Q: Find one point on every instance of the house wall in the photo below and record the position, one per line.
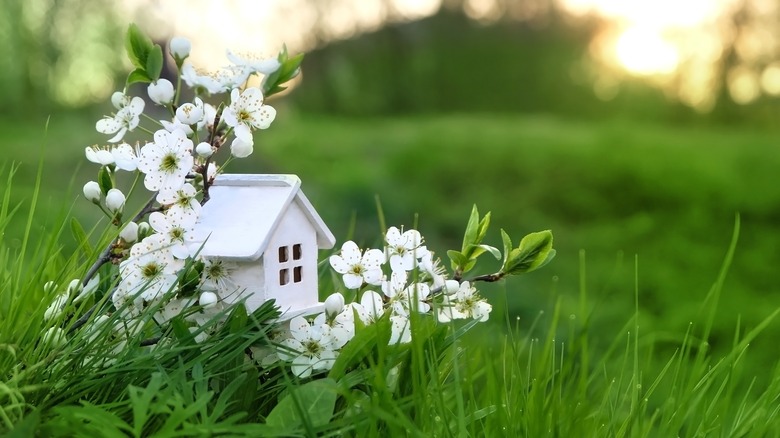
(249, 279)
(291, 277)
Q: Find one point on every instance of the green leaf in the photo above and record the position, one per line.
(104, 180)
(532, 253)
(483, 227)
(491, 249)
(138, 75)
(457, 258)
(472, 229)
(316, 400)
(81, 237)
(289, 68)
(154, 63)
(356, 349)
(237, 319)
(507, 245)
(137, 46)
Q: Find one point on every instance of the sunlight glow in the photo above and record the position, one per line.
(645, 51)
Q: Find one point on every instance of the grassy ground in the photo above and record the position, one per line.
(620, 197)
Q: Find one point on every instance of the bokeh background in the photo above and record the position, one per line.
(635, 130)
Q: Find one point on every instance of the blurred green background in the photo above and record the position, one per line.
(633, 130)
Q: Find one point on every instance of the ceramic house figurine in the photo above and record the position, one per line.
(268, 232)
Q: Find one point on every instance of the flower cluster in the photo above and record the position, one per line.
(157, 248)
(414, 284)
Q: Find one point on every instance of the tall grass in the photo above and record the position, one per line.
(545, 378)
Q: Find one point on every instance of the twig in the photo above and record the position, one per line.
(205, 170)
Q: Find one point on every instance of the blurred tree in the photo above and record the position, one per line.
(57, 52)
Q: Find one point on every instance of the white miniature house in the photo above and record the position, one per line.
(267, 230)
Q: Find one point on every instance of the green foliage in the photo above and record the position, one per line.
(535, 250)
(289, 69)
(146, 56)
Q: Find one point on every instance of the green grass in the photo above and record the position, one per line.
(633, 339)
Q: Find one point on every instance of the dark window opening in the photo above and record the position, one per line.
(284, 277)
(297, 274)
(283, 254)
(297, 251)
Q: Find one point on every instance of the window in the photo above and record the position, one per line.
(286, 264)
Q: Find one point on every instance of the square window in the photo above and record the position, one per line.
(284, 277)
(297, 274)
(283, 256)
(297, 251)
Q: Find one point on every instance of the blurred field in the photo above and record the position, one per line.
(617, 190)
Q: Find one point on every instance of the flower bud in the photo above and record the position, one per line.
(189, 113)
(161, 92)
(208, 299)
(92, 191)
(49, 287)
(56, 306)
(180, 48)
(334, 304)
(74, 286)
(204, 149)
(54, 337)
(115, 200)
(130, 232)
(119, 100)
(240, 148)
(144, 230)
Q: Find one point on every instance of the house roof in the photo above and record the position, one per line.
(244, 210)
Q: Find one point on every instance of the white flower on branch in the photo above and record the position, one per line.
(177, 231)
(125, 119)
(125, 157)
(190, 113)
(254, 63)
(201, 79)
(247, 112)
(176, 124)
(167, 161)
(358, 268)
(98, 155)
(150, 270)
(464, 303)
(403, 250)
(311, 347)
(181, 202)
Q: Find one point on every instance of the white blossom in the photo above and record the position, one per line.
(150, 270)
(199, 78)
(403, 250)
(464, 303)
(218, 276)
(311, 347)
(98, 155)
(178, 231)
(125, 157)
(176, 124)
(190, 113)
(181, 201)
(247, 112)
(240, 148)
(167, 161)
(400, 330)
(254, 63)
(358, 268)
(125, 119)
